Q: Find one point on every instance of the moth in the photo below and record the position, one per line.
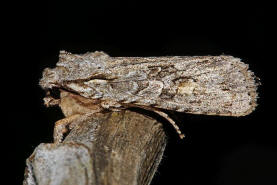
(94, 82)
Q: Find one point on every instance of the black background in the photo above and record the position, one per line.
(216, 150)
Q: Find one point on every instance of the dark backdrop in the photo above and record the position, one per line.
(217, 150)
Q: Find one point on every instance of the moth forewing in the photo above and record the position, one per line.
(211, 85)
(217, 85)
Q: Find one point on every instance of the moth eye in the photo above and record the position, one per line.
(54, 93)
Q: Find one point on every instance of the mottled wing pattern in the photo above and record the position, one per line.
(219, 85)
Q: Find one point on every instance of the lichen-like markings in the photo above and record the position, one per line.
(212, 85)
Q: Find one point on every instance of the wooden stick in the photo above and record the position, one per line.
(113, 148)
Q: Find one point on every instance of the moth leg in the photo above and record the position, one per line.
(63, 126)
(164, 115)
(181, 135)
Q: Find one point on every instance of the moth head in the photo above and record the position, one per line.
(72, 67)
(69, 69)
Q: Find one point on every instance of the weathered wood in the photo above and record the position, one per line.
(113, 148)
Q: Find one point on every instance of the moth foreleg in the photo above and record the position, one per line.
(63, 126)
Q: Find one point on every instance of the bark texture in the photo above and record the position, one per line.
(211, 85)
(113, 148)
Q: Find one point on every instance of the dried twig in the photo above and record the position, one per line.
(112, 148)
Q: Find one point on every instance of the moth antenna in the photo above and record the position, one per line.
(172, 122)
